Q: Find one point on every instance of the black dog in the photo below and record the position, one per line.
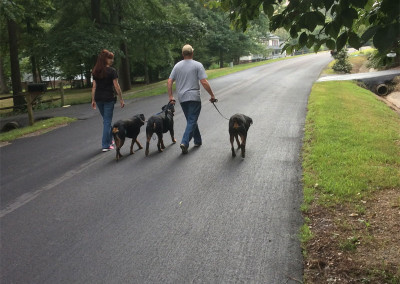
(127, 128)
(159, 124)
(239, 124)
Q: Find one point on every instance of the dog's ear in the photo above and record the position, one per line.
(248, 120)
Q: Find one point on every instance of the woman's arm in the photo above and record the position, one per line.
(119, 92)
(93, 92)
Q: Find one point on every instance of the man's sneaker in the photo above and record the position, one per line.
(197, 144)
(184, 149)
(108, 149)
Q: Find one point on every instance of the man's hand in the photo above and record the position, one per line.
(172, 100)
(213, 100)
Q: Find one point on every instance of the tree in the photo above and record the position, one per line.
(18, 100)
(338, 21)
(342, 63)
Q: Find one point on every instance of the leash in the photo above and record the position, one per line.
(213, 102)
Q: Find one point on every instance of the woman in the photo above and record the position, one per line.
(104, 79)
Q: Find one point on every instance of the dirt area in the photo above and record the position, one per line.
(394, 96)
(355, 243)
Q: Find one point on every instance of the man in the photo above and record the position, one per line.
(187, 74)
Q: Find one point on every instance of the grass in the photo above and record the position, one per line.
(351, 144)
(42, 126)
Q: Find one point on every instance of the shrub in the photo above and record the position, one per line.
(342, 63)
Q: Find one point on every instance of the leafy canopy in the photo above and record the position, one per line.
(335, 23)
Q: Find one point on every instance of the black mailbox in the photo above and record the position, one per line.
(37, 87)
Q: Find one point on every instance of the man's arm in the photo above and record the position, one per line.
(169, 86)
(207, 87)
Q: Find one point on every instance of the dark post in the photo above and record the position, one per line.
(34, 91)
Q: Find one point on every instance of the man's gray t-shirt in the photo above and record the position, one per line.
(187, 74)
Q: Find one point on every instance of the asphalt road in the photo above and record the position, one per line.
(70, 214)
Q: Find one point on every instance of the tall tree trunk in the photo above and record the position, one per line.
(96, 12)
(125, 74)
(221, 58)
(35, 72)
(146, 68)
(15, 71)
(3, 83)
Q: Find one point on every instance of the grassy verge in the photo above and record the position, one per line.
(351, 157)
(42, 126)
(352, 142)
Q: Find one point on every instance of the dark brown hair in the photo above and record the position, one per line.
(99, 70)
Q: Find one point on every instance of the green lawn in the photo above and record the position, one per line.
(351, 144)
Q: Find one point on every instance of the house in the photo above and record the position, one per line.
(273, 48)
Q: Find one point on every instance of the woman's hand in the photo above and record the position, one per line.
(122, 103)
(93, 104)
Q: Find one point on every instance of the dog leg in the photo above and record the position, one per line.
(172, 136)
(118, 155)
(243, 146)
(232, 139)
(118, 145)
(139, 145)
(132, 143)
(160, 143)
(237, 140)
(148, 143)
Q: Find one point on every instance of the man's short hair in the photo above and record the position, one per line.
(187, 50)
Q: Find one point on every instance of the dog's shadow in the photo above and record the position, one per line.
(156, 153)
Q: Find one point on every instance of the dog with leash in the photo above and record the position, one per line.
(239, 124)
(161, 123)
(127, 129)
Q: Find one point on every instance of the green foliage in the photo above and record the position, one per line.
(62, 38)
(342, 63)
(336, 23)
(350, 244)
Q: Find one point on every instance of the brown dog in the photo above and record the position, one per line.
(239, 124)
(127, 128)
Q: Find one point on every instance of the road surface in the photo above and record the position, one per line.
(71, 214)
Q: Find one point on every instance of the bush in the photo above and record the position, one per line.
(342, 63)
